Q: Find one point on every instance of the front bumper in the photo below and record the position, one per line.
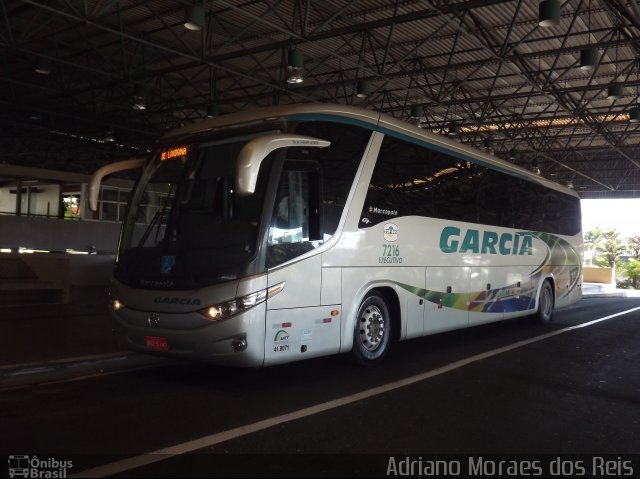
(217, 342)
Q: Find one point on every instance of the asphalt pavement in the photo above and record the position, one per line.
(41, 343)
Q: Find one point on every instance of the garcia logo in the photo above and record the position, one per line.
(489, 242)
(390, 232)
(182, 301)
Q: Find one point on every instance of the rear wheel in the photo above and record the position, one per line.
(372, 334)
(545, 303)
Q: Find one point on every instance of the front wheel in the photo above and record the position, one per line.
(372, 334)
(545, 303)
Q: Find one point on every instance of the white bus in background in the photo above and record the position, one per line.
(291, 232)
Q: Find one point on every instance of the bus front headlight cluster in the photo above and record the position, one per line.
(227, 309)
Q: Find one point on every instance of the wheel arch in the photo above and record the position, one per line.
(544, 309)
(390, 296)
(552, 281)
(388, 292)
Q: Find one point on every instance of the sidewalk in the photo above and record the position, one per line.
(600, 290)
(44, 332)
(56, 342)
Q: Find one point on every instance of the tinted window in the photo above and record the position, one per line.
(338, 165)
(410, 179)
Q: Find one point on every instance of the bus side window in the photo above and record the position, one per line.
(295, 221)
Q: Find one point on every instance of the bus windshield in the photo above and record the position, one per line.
(185, 227)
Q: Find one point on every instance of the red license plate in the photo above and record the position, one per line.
(156, 342)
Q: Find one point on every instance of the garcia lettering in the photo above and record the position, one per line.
(182, 301)
(485, 242)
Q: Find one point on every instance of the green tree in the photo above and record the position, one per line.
(593, 236)
(633, 246)
(608, 245)
(631, 271)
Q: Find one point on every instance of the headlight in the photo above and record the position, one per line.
(116, 305)
(230, 308)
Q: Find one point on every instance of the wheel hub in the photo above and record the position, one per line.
(371, 328)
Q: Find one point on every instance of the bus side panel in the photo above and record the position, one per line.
(566, 291)
(302, 284)
(447, 298)
(297, 327)
(563, 265)
(519, 300)
(331, 292)
(301, 333)
(487, 286)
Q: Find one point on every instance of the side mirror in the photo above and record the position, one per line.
(252, 154)
(96, 178)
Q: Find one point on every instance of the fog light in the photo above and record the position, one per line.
(117, 305)
(239, 343)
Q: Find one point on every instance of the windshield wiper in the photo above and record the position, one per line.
(157, 217)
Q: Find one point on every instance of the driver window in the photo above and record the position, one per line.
(295, 219)
(291, 222)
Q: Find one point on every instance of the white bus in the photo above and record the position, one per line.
(291, 232)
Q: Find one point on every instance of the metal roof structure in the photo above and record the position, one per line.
(484, 66)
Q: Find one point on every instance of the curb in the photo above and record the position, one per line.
(32, 374)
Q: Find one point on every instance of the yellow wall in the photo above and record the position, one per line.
(598, 275)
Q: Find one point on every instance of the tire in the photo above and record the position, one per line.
(372, 333)
(545, 303)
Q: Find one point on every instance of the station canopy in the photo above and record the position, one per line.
(551, 86)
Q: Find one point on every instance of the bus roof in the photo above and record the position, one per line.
(368, 118)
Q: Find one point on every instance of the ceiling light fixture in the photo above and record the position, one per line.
(588, 58)
(417, 111)
(454, 129)
(139, 101)
(615, 91)
(195, 18)
(213, 110)
(549, 13)
(634, 113)
(535, 167)
(364, 89)
(295, 66)
(44, 66)
(109, 136)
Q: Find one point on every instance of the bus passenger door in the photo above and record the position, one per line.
(297, 325)
(446, 298)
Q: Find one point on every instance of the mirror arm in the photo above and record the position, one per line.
(96, 178)
(253, 153)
